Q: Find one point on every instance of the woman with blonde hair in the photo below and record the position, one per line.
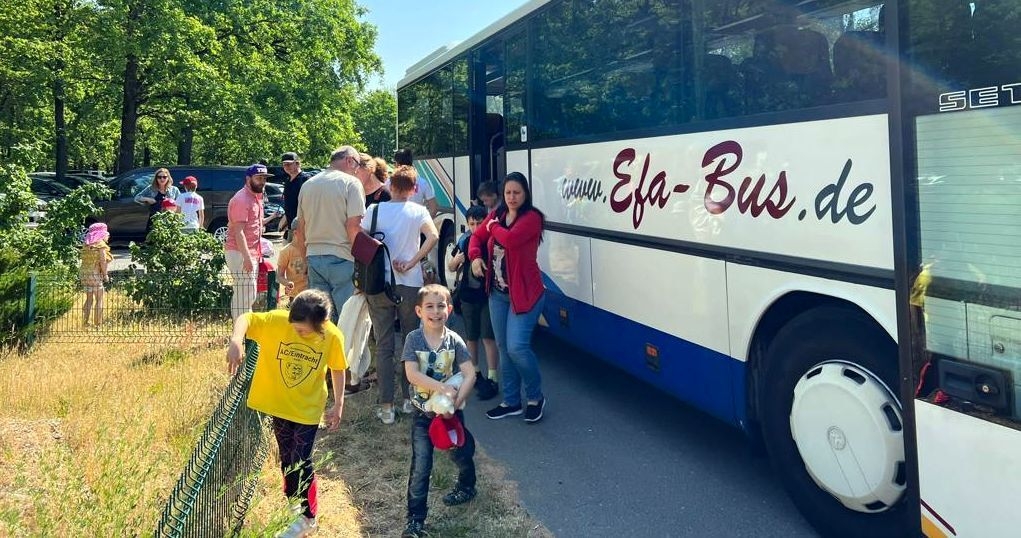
(368, 174)
(161, 188)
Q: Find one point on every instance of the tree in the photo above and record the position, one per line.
(375, 118)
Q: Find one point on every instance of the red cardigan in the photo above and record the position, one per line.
(521, 243)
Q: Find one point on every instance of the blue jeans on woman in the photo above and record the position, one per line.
(518, 363)
(422, 464)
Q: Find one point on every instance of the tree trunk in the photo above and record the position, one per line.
(59, 124)
(129, 116)
(185, 143)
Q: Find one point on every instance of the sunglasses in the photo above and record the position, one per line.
(162, 177)
(429, 371)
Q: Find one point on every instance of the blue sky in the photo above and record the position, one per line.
(409, 29)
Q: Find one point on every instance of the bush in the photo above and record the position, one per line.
(183, 272)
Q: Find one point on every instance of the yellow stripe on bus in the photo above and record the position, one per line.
(931, 529)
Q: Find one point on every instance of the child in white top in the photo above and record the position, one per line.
(193, 207)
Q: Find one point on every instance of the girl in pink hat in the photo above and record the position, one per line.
(95, 257)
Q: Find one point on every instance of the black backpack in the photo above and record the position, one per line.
(467, 287)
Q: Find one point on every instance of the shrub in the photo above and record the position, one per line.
(183, 272)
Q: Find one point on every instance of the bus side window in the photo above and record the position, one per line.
(721, 82)
(997, 57)
(858, 65)
(789, 68)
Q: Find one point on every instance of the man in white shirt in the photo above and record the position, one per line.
(193, 207)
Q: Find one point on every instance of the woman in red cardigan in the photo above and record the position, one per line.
(510, 238)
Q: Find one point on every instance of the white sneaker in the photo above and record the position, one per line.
(406, 407)
(386, 416)
(303, 526)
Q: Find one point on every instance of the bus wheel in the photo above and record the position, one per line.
(832, 423)
(444, 253)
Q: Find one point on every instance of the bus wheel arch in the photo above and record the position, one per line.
(847, 367)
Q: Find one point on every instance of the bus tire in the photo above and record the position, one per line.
(829, 388)
(443, 255)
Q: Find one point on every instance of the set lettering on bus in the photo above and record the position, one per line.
(756, 197)
(980, 97)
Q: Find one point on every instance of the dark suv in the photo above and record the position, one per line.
(217, 184)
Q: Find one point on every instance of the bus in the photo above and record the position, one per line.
(801, 217)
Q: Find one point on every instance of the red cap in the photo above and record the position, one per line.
(190, 181)
(446, 433)
(168, 203)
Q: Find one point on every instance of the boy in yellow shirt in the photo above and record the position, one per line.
(295, 348)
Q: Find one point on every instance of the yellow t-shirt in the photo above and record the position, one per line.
(290, 377)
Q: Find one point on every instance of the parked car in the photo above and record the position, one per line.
(72, 180)
(47, 188)
(126, 219)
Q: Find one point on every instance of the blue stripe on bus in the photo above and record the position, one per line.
(706, 379)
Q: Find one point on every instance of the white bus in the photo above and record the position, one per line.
(799, 216)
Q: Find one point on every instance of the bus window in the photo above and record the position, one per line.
(607, 66)
(754, 57)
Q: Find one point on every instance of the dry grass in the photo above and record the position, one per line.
(94, 436)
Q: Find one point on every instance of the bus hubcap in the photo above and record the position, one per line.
(847, 426)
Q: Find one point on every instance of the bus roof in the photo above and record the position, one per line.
(443, 54)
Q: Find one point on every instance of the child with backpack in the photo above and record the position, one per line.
(472, 303)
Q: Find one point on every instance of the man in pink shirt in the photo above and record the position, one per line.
(244, 229)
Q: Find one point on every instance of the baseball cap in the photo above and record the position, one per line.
(288, 157)
(190, 181)
(257, 170)
(168, 203)
(446, 433)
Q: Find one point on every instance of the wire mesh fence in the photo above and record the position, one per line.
(212, 495)
(137, 306)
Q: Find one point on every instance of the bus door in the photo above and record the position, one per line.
(962, 122)
(487, 146)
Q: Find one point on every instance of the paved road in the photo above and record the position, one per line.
(614, 457)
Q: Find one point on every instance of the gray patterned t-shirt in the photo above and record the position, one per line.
(438, 363)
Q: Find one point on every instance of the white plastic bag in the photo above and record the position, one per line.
(355, 324)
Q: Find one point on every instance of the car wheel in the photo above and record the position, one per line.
(832, 425)
(219, 230)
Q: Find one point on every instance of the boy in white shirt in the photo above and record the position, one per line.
(193, 207)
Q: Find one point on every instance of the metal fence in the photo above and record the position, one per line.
(138, 307)
(212, 495)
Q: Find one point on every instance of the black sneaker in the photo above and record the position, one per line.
(414, 529)
(459, 496)
(486, 389)
(501, 411)
(533, 413)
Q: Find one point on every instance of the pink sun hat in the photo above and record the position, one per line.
(97, 232)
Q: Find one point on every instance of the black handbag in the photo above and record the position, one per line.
(371, 258)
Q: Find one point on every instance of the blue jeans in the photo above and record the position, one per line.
(518, 363)
(422, 464)
(334, 275)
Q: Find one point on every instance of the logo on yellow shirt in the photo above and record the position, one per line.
(297, 362)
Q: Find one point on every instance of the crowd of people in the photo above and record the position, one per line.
(499, 293)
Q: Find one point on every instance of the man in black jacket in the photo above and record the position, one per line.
(295, 179)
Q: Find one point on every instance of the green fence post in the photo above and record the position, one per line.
(272, 290)
(29, 321)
